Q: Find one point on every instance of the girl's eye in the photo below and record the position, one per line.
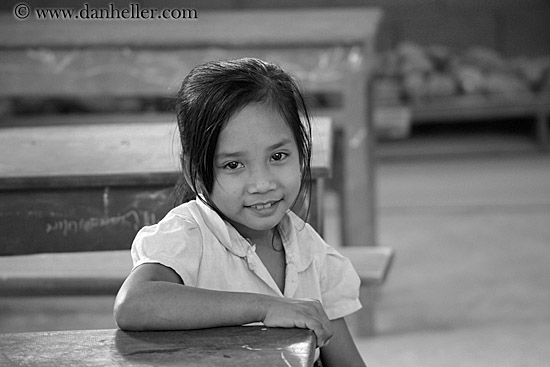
(233, 165)
(279, 156)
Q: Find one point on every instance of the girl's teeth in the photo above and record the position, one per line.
(265, 206)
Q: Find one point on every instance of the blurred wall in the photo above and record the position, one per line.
(511, 27)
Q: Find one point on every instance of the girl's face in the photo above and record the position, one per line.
(256, 170)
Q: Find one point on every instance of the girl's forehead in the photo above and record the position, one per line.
(254, 124)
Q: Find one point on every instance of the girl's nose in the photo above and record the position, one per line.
(261, 181)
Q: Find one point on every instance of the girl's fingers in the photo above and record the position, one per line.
(322, 334)
(307, 314)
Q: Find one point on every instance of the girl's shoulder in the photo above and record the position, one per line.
(193, 218)
(309, 242)
(183, 214)
(176, 222)
(186, 211)
(304, 236)
(302, 230)
(176, 241)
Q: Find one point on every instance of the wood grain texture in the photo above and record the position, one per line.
(228, 346)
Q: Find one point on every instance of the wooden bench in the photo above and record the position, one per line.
(101, 273)
(476, 108)
(373, 264)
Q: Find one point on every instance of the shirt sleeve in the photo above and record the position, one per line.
(175, 242)
(339, 285)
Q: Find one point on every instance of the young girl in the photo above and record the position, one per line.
(236, 253)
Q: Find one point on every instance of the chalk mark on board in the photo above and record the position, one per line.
(134, 219)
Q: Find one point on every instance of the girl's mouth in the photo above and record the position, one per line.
(263, 206)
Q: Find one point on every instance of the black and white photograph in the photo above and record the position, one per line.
(316, 183)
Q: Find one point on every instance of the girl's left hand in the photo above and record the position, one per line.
(300, 313)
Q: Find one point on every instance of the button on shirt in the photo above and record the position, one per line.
(207, 252)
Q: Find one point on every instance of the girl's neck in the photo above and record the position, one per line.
(261, 238)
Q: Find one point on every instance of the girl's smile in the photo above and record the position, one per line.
(265, 209)
(256, 170)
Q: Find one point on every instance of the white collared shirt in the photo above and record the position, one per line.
(207, 252)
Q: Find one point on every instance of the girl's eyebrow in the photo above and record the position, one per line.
(280, 144)
(224, 155)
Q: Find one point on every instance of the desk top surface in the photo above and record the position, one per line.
(211, 28)
(227, 346)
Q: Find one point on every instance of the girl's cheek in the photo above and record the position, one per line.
(231, 185)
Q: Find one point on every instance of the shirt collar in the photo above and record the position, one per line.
(225, 233)
(298, 253)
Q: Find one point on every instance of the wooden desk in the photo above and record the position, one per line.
(91, 187)
(228, 346)
(329, 50)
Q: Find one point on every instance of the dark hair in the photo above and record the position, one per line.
(214, 92)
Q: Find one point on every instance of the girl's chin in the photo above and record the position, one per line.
(257, 225)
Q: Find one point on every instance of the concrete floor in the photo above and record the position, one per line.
(471, 282)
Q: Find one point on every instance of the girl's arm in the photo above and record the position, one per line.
(153, 297)
(341, 351)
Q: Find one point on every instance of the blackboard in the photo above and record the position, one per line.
(68, 219)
